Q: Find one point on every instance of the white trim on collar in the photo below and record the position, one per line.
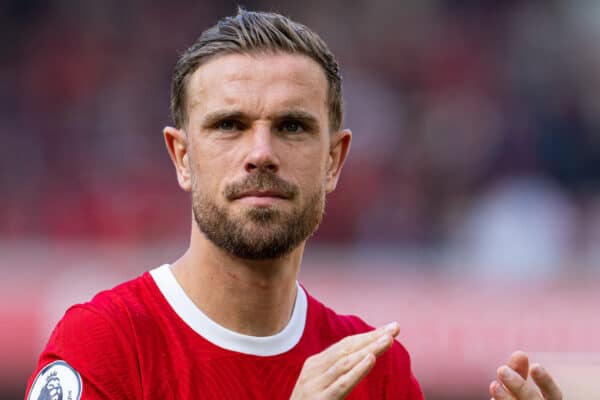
(223, 337)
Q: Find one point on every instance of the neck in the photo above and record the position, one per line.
(251, 297)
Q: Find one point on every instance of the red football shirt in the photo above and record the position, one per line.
(145, 339)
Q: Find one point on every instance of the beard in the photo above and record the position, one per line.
(259, 233)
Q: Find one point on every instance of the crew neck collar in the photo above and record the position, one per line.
(225, 338)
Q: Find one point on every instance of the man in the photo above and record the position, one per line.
(258, 142)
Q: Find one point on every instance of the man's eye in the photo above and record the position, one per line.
(291, 126)
(228, 125)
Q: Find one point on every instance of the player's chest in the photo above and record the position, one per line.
(220, 378)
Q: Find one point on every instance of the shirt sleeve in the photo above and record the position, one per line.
(414, 389)
(403, 383)
(88, 356)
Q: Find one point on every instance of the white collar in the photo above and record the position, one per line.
(223, 337)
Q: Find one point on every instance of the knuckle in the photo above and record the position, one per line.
(339, 367)
(343, 387)
(331, 372)
(527, 388)
(519, 387)
(346, 362)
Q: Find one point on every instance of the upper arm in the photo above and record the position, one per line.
(87, 345)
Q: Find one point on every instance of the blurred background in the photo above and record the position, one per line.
(469, 209)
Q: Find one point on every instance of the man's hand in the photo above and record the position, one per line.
(512, 381)
(334, 372)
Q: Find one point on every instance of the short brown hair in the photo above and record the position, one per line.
(249, 32)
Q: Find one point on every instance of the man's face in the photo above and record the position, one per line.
(260, 155)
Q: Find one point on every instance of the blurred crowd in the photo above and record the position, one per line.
(476, 123)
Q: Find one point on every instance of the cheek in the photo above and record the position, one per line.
(313, 177)
(208, 181)
(210, 166)
(311, 157)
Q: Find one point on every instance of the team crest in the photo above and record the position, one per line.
(56, 381)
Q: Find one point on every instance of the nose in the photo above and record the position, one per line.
(261, 155)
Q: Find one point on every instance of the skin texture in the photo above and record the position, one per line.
(256, 152)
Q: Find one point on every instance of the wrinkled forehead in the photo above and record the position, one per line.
(259, 79)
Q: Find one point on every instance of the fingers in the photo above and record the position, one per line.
(498, 392)
(516, 385)
(344, 384)
(354, 343)
(334, 372)
(519, 362)
(542, 378)
(345, 359)
(347, 371)
(512, 384)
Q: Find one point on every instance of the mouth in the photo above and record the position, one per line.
(260, 198)
(262, 194)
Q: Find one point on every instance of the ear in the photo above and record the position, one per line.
(338, 150)
(177, 146)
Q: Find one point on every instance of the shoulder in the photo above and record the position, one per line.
(126, 306)
(108, 322)
(339, 325)
(96, 341)
(129, 296)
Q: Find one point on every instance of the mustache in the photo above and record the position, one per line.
(261, 181)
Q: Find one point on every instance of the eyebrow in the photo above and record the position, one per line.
(216, 116)
(298, 115)
(221, 115)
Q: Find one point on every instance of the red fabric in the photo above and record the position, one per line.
(128, 343)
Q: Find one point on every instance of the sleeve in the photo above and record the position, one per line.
(414, 389)
(402, 383)
(88, 356)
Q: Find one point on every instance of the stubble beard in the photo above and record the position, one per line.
(260, 233)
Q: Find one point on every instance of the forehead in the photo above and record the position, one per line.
(262, 81)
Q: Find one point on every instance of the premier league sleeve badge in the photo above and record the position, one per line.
(56, 381)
